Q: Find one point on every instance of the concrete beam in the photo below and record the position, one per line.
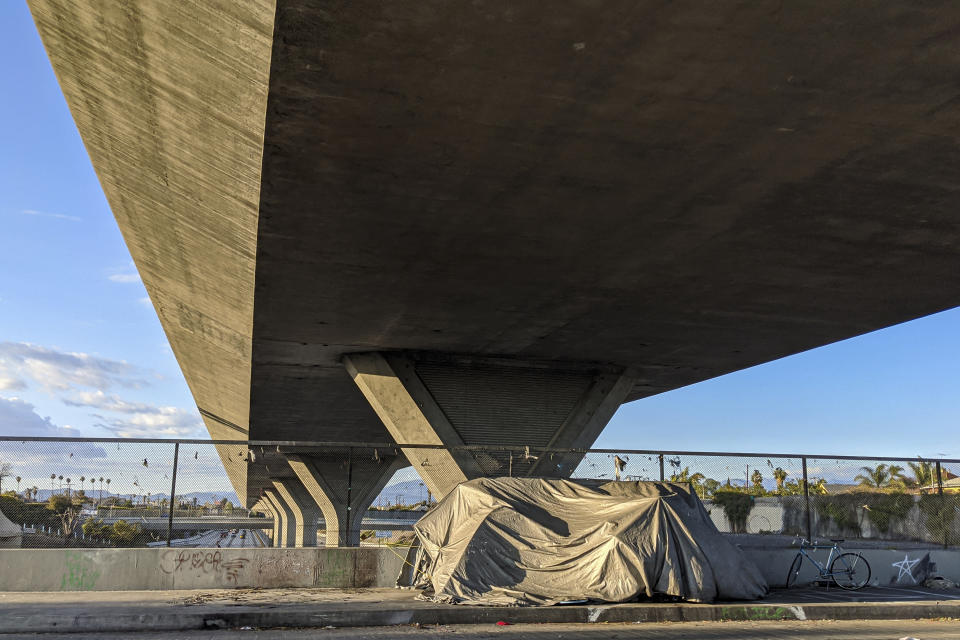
(263, 506)
(344, 486)
(282, 519)
(585, 423)
(305, 511)
(455, 401)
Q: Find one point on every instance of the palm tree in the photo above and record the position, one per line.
(756, 479)
(896, 476)
(18, 483)
(923, 473)
(882, 475)
(53, 479)
(60, 478)
(780, 476)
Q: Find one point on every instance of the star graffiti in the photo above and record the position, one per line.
(906, 568)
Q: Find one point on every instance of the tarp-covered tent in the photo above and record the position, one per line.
(10, 534)
(534, 541)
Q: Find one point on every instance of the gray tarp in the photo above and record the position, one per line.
(526, 541)
(10, 534)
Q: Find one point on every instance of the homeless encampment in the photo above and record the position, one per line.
(536, 541)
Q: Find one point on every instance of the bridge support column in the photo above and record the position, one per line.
(263, 507)
(305, 512)
(455, 401)
(259, 507)
(344, 485)
(283, 524)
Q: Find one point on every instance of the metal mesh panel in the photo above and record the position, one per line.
(118, 493)
(880, 500)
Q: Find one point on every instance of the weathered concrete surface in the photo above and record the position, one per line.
(206, 609)
(887, 565)
(680, 189)
(170, 101)
(148, 569)
(724, 630)
(145, 569)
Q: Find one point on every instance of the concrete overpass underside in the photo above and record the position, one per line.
(495, 222)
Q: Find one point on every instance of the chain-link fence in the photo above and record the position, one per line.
(117, 492)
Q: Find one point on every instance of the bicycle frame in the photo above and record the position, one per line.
(847, 570)
(822, 569)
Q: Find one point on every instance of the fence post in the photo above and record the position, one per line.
(662, 477)
(943, 507)
(349, 488)
(173, 491)
(806, 498)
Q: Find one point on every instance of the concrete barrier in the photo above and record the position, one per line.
(149, 569)
(908, 566)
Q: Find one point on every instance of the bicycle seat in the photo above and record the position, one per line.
(837, 540)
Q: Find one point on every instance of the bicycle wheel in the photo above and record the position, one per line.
(794, 571)
(850, 571)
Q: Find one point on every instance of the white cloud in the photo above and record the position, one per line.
(44, 214)
(145, 301)
(155, 422)
(59, 370)
(140, 420)
(20, 418)
(99, 400)
(124, 277)
(9, 382)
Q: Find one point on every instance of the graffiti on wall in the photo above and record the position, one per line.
(79, 574)
(203, 562)
(912, 571)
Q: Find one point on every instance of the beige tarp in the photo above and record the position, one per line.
(10, 533)
(533, 541)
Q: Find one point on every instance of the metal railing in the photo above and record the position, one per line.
(81, 487)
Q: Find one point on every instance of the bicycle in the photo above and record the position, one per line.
(847, 570)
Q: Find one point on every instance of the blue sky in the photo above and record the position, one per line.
(82, 351)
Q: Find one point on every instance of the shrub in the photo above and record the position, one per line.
(841, 509)
(939, 512)
(883, 508)
(736, 506)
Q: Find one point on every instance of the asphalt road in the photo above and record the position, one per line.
(216, 538)
(821, 630)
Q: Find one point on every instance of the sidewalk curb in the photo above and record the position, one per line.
(182, 618)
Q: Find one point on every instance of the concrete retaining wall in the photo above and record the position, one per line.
(148, 569)
(890, 567)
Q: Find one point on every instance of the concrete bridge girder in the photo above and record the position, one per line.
(305, 511)
(497, 210)
(343, 488)
(426, 399)
(262, 506)
(284, 528)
